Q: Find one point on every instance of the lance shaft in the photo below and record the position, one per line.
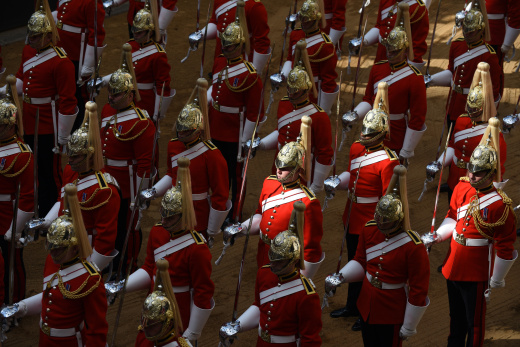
(337, 127)
(120, 307)
(12, 248)
(284, 40)
(433, 37)
(35, 170)
(204, 39)
(361, 18)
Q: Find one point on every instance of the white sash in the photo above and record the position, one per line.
(281, 290)
(296, 115)
(387, 246)
(121, 117)
(399, 75)
(9, 150)
(226, 7)
(232, 72)
(311, 41)
(370, 159)
(39, 58)
(484, 201)
(173, 246)
(142, 53)
(83, 183)
(386, 11)
(67, 274)
(471, 132)
(472, 53)
(191, 153)
(281, 199)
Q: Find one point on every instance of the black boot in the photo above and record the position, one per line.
(344, 312)
(357, 325)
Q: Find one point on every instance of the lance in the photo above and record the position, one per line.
(428, 77)
(204, 42)
(35, 171)
(358, 41)
(121, 299)
(196, 34)
(246, 164)
(12, 247)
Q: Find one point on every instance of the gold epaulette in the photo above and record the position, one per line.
(285, 98)
(464, 115)
(326, 38)
(174, 139)
(159, 224)
(61, 53)
(160, 48)
(266, 266)
(391, 154)
(371, 223)
(308, 192)
(420, 2)
(459, 39)
(91, 268)
(414, 236)
(464, 179)
(23, 147)
(357, 141)
(318, 107)
(490, 48)
(414, 69)
(210, 145)
(506, 199)
(309, 287)
(199, 239)
(102, 184)
(381, 62)
(76, 294)
(142, 114)
(250, 67)
(272, 177)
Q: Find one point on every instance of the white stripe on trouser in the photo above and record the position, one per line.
(54, 123)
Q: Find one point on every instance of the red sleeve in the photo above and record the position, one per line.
(200, 272)
(252, 99)
(338, 14)
(259, 207)
(292, 42)
(513, 14)
(143, 147)
(66, 86)
(496, 72)
(106, 220)
(218, 180)
(26, 180)
(322, 136)
(452, 212)
(505, 235)
(452, 57)
(379, 22)
(420, 28)
(328, 72)
(386, 175)
(309, 321)
(213, 18)
(418, 275)
(258, 27)
(417, 102)
(169, 4)
(100, 23)
(95, 308)
(161, 72)
(313, 232)
(149, 261)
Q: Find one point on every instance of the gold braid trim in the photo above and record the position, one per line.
(237, 88)
(74, 294)
(418, 19)
(475, 213)
(118, 135)
(3, 172)
(182, 342)
(322, 59)
(81, 204)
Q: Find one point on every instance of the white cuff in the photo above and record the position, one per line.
(31, 305)
(372, 37)
(144, 185)
(255, 225)
(269, 142)
(217, 218)
(250, 318)
(335, 35)
(412, 317)
(208, 95)
(163, 185)
(510, 36)
(418, 66)
(312, 268)
(450, 152)
(287, 67)
(320, 173)
(101, 260)
(52, 215)
(212, 31)
(501, 268)
(352, 272)
(259, 60)
(165, 17)
(441, 79)
(65, 123)
(445, 230)
(21, 218)
(249, 127)
(344, 179)
(89, 61)
(138, 280)
(362, 109)
(411, 139)
(198, 319)
(328, 99)
(166, 101)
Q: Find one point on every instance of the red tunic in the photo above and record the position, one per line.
(467, 136)
(276, 214)
(465, 263)
(419, 23)
(53, 78)
(99, 205)
(296, 314)
(240, 91)
(59, 312)
(134, 146)
(16, 167)
(335, 9)
(289, 122)
(509, 10)
(407, 264)
(136, 5)
(208, 171)
(463, 73)
(152, 70)
(377, 168)
(407, 96)
(190, 267)
(322, 56)
(78, 15)
(224, 13)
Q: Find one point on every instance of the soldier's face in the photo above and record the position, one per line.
(286, 175)
(64, 254)
(477, 177)
(78, 163)
(472, 36)
(187, 136)
(474, 112)
(6, 131)
(142, 36)
(39, 41)
(172, 223)
(296, 96)
(231, 51)
(282, 267)
(395, 55)
(120, 100)
(309, 25)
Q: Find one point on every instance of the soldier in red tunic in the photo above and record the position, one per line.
(275, 205)
(286, 306)
(161, 318)
(321, 53)
(291, 109)
(98, 192)
(481, 226)
(190, 259)
(469, 129)
(334, 11)
(16, 168)
(234, 101)
(370, 168)
(73, 304)
(394, 267)
(465, 54)
(127, 135)
(407, 97)
(209, 169)
(46, 80)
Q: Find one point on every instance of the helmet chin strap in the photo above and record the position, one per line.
(175, 227)
(291, 174)
(482, 182)
(373, 140)
(119, 104)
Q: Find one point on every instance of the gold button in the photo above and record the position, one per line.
(274, 211)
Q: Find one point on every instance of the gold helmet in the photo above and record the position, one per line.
(160, 307)
(297, 154)
(476, 19)
(178, 200)
(68, 230)
(194, 116)
(392, 213)
(123, 80)
(147, 19)
(86, 140)
(301, 77)
(288, 245)
(376, 121)
(480, 99)
(312, 10)
(42, 22)
(10, 110)
(486, 156)
(400, 37)
(236, 33)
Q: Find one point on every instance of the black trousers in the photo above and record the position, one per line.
(467, 313)
(354, 288)
(230, 152)
(49, 172)
(380, 335)
(19, 272)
